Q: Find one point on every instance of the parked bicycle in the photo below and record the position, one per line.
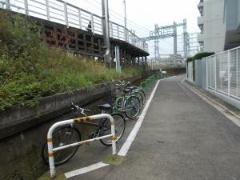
(70, 134)
(130, 101)
(135, 90)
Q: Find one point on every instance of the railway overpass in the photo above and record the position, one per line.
(79, 31)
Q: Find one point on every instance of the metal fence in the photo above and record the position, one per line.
(224, 72)
(219, 73)
(72, 16)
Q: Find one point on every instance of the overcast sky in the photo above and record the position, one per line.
(143, 14)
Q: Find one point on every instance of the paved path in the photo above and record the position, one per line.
(182, 138)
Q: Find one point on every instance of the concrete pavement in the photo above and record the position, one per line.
(182, 138)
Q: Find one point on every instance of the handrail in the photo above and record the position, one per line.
(44, 9)
(52, 150)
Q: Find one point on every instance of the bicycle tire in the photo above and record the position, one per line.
(140, 96)
(132, 103)
(118, 104)
(60, 157)
(143, 94)
(120, 123)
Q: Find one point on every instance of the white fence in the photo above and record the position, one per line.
(219, 73)
(223, 73)
(72, 16)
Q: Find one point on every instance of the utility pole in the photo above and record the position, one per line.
(175, 39)
(105, 22)
(185, 37)
(125, 18)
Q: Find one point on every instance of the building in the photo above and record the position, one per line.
(212, 26)
(232, 21)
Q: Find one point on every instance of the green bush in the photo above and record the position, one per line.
(29, 69)
(202, 55)
(199, 56)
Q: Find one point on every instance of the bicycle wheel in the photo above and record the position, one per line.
(120, 124)
(118, 104)
(140, 97)
(61, 137)
(132, 107)
(141, 90)
(143, 94)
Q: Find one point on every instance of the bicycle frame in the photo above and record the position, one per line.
(51, 150)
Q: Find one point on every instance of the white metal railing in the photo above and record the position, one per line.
(64, 13)
(223, 72)
(52, 150)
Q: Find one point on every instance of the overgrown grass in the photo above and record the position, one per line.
(29, 69)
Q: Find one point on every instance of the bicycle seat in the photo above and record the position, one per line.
(127, 90)
(105, 106)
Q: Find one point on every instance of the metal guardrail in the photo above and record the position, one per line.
(223, 72)
(72, 16)
(51, 149)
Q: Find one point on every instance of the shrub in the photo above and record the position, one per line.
(29, 69)
(202, 55)
(199, 56)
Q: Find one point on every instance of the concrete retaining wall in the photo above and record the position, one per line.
(21, 118)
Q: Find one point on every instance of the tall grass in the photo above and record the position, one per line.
(29, 69)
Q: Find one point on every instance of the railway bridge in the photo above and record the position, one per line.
(79, 31)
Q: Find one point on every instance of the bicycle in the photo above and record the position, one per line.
(129, 102)
(135, 90)
(70, 134)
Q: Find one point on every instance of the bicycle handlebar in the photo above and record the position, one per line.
(80, 110)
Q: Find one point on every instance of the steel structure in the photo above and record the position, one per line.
(192, 44)
(169, 31)
(62, 12)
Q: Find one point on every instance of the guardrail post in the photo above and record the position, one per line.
(26, 7)
(229, 69)
(47, 10)
(80, 19)
(52, 150)
(66, 14)
(51, 155)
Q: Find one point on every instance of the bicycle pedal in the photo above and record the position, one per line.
(91, 136)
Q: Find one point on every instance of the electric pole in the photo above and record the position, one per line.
(105, 22)
(175, 46)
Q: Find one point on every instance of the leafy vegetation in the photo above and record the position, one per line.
(199, 56)
(29, 69)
